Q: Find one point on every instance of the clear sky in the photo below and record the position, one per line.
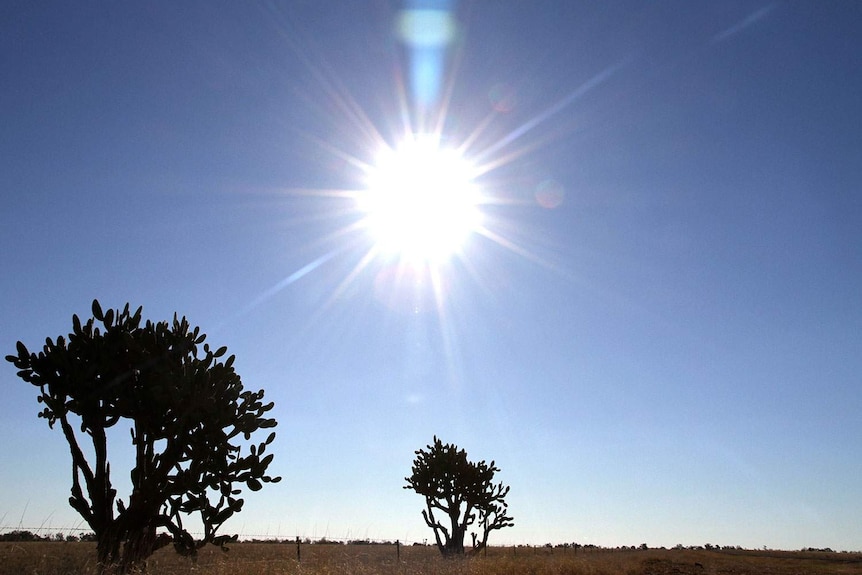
(656, 333)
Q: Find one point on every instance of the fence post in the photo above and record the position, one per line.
(398, 549)
(298, 557)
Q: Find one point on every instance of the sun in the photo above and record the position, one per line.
(421, 202)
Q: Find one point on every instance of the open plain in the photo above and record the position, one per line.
(74, 558)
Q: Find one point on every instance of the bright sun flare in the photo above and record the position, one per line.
(421, 202)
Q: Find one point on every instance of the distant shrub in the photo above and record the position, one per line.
(21, 535)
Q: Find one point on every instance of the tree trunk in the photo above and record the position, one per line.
(455, 544)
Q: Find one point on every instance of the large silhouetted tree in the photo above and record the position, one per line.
(462, 491)
(186, 409)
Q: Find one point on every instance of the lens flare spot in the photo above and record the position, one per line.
(550, 194)
(503, 97)
(426, 27)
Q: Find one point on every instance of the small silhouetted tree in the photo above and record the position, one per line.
(462, 492)
(186, 409)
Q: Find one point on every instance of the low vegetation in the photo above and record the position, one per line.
(74, 558)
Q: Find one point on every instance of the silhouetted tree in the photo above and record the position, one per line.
(186, 408)
(461, 490)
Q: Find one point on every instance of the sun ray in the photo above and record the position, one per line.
(403, 106)
(350, 159)
(476, 132)
(272, 291)
(448, 91)
(360, 266)
(554, 109)
(340, 193)
(332, 87)
(513, 247)
(448, 333)
(354, 113)
(498, 162)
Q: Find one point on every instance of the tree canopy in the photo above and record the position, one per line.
(187, 412)
(463, 491)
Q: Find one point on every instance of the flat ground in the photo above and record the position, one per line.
(50, 558)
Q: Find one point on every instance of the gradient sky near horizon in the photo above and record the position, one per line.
(660, 342)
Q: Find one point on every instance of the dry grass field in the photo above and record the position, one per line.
(68, 558)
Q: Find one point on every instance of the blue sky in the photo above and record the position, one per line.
(669, 353)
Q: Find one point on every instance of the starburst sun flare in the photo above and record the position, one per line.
(421, 202)
(428, 201)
